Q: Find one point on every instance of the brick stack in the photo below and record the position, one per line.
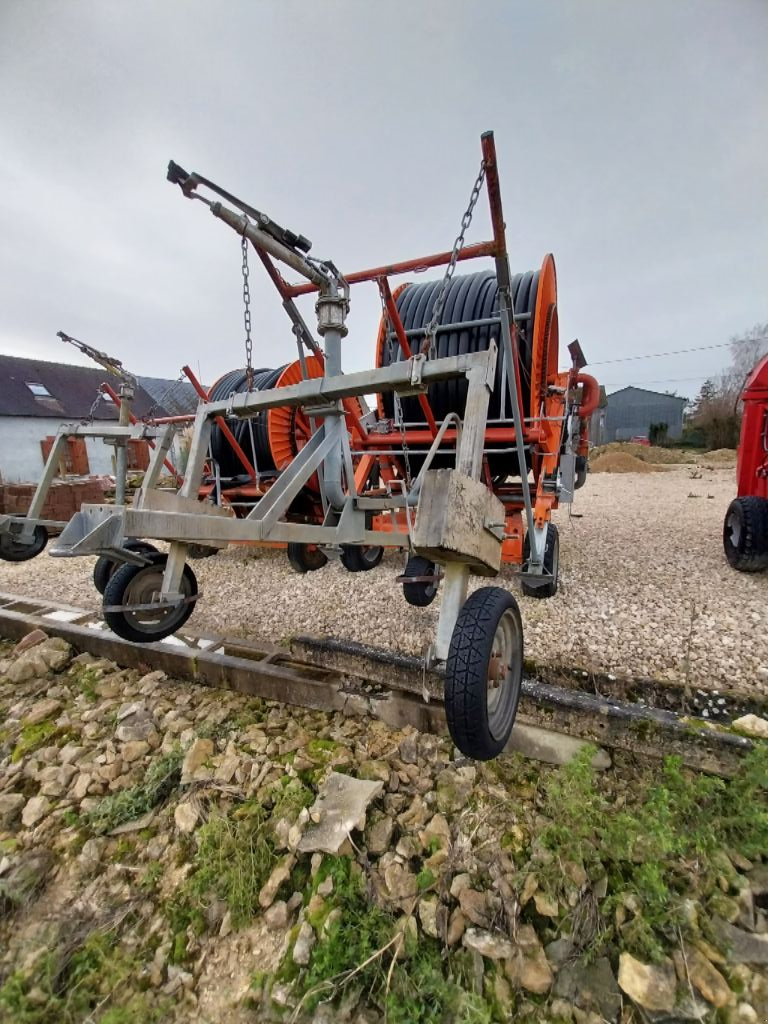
(64, 497)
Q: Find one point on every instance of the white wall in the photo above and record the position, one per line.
(21, 457)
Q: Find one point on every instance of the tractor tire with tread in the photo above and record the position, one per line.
(480, 726)
(745, 534)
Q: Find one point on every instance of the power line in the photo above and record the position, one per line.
(663, 380)
(674, 352)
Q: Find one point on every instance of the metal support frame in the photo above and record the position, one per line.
(24, 526)
(327, 402)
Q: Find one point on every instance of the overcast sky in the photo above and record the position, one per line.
(632, 143)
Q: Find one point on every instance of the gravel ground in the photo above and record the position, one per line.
(645, 590)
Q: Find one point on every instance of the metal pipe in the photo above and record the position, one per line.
(133, 421)
(127, 391)
(469, 252)
(506, 311)
(243, 226)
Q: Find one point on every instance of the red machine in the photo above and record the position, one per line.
(745, 531)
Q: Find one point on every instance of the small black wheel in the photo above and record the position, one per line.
(201, 551)
(551, 565)
(306, 557)
(106, 567)
(582, 468)
(484, 673)
(420, 592)
(12, 549)
(140, 585)
(360, 559)
(745, 534)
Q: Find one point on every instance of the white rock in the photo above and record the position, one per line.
(753, 725)
(186, 817)
(34, 811)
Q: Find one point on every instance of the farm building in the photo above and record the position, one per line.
(631, 411)
(37, 398)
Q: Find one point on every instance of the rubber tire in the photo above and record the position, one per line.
(466, 673)
(306, 557)
(551, 558)
(12, 551)
(582, 469)
(356, 558)
(115, 591)
(750, 554)
(199, 551)
(106, 567)
(419, 594)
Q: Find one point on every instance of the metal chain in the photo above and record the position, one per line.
(247, 316)
(160, 402)
(398, 410)
(94, 407)
(428, 344)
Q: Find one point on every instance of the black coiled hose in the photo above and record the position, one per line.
(251, 435)
(469, 297)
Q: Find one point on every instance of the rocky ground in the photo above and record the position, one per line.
(645, 589)
(171, 853)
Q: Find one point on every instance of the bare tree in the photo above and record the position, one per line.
(747, 350)
(716, 411)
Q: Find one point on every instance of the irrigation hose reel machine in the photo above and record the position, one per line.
(447, 512)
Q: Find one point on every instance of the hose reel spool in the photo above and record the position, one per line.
(474, 297)
(274, 437)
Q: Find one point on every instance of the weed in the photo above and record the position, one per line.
(425, 879)
(359, 947)
(32, 737)
(233, 861)
(152, 876)
(161, 778)
(85, 679)
(96, 975)
(234, 857)
(666, 846)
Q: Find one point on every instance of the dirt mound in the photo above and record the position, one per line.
(647, 453)
(619, 462)
(721, 455)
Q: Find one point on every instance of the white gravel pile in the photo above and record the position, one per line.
(645, 590)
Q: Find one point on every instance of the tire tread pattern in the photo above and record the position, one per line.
(467, 672)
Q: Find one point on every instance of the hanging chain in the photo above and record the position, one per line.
(247, 317)
(398, 410)
(428, 344)
(96, 403)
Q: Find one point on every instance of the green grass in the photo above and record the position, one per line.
(85, 678)
(661, 849)
(357, 951)
(234, 857)
(161, 778)
(97, 980)
(32, 737)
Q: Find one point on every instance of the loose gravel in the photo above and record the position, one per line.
(645, 590)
